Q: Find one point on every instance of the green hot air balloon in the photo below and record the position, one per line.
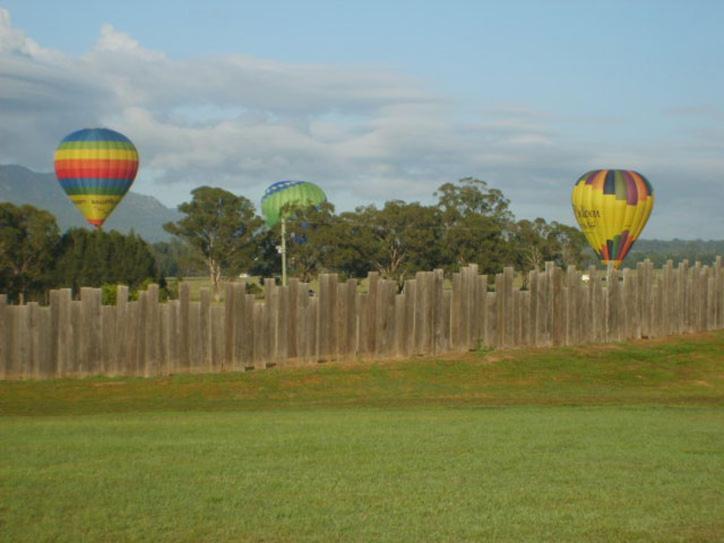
(296, 193)
(292, 193)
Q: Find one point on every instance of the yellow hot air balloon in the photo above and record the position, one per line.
(612, 207)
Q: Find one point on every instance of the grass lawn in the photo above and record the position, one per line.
(615, 443)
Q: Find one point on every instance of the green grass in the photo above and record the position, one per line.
(616, 443)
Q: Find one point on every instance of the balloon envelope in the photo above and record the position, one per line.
(612, 207)
(96, 167)
(296, 193)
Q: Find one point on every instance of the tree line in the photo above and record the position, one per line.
(659, 251)
(35, 257)
(221, 235)
(470, 222)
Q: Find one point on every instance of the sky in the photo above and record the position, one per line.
(381, 100)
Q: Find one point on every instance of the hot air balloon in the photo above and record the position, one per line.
(96, 167)
(293, 193)
(288, 193)
(612, 207)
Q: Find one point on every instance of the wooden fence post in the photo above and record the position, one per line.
(153, 332)
(3, 338)
(558, 323)
(21, 340)
(385, 334)
(424, 316)
(342, 321)
(327, 315)
(259, 344)
(571, 308)
(719, 270)
(219, 333)
(30, 369)
(120, 355)
(184, 298)
(683, 272)
(229, 327)
(371, 326)
(363, 323)
(541, 314)
(457, 311)
(518, 306)
(167, 338)
(711, 304)
(313, 327)
(499, 310)
(239, 323)
(694, 300)
(46, 368)
(75, 364)
(271, 323)
(249, 332)
(141, 333)
(508, 306)
(352, 317)
(441, 324)
(656, 306)
(173, 326)
(422, 325)
(470, 299)
(195, 343)
(704, 298)
(410, 301)
(282, 323)
(205, 328)
(400, 325)
(90, 329)
(292, 339)
(108, 337)
(532, 332)
(667, 298)
(585, 313)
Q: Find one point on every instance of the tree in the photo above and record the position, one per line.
(177, 259)
(311, 239)
(222, 226)
(536, 242)
(396, 240)
(476, 223)
(266, 261)
(93, 258)
(472, 196)
(572, 244)
(28, 242)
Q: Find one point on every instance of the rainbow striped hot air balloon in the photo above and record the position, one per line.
(612, 207)
(96, 167)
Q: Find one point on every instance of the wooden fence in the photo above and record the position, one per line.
(291, 327)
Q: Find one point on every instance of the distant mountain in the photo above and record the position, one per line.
(144, 214)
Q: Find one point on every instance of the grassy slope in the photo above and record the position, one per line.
(677, 371)
(620, 443)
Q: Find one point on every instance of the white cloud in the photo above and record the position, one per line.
(116, 42)
(365, 133)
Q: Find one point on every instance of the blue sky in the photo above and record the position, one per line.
(380, 100)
